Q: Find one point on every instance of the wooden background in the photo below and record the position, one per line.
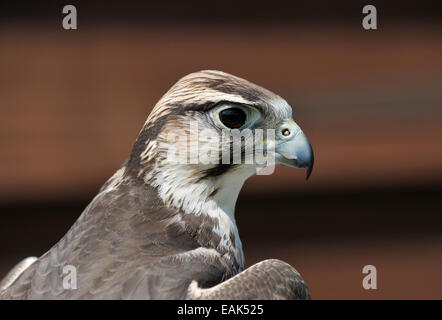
(72, 103)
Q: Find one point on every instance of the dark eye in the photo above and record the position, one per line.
(233, 118)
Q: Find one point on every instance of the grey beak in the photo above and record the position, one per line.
(296, 151)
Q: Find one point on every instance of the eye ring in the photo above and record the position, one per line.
(233, 117)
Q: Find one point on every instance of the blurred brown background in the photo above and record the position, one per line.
(72, 103)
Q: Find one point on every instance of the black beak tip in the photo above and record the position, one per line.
(310, 165)
(309, 172)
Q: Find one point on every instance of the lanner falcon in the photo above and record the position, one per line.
(163, 229)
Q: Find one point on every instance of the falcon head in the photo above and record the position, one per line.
(199, 122)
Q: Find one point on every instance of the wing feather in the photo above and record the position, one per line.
(269, 279)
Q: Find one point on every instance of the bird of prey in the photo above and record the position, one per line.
(162, 229)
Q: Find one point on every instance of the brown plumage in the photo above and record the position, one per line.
(158, 230)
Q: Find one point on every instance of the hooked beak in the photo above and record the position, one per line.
(293, 148)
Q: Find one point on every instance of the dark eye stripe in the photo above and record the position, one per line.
(233, 118)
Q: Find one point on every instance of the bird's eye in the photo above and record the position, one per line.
(233, 118)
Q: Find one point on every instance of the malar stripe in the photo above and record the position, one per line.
(217, 171)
